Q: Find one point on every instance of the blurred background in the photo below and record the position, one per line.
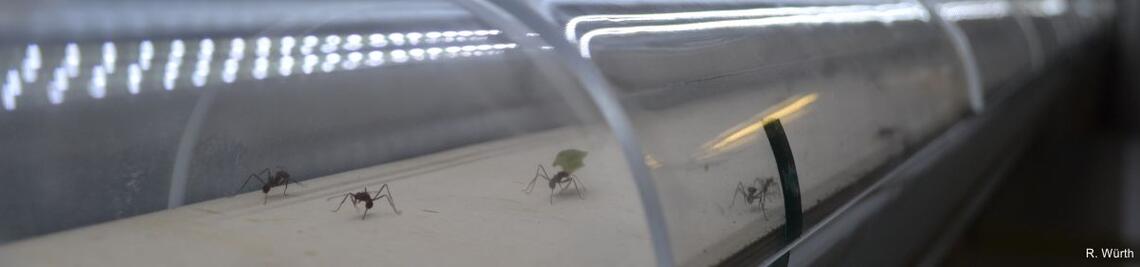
(725, 132)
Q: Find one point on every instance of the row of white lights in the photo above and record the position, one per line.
(354, 45)
(886, 14)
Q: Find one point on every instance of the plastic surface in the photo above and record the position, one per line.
(999, 42)
(450, 116)
(855, 85)
(120, 109)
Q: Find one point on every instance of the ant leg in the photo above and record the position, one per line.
(763, 209)
(290, 181)
(346, 196)
(391, 200)
(265, 199)
(365, 214)
(575, 178)
(540, 172)
(268, 179)
(577, 189)
(285, 192)
(251, 176)
(552, 195)
(739, 191)
(565, 184)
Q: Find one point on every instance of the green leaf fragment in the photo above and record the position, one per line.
(570, 160)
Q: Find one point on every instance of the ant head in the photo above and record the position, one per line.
(265, 189)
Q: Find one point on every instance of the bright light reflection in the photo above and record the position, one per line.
(330, 62)
(32, 63)
(353, 61)
(572, 26)
(109, 55)
(332, 42)
(170, 76)
(286, 66)
(855, 14)
(206, 48)
(260, 68)
(71, 60)
(177, 49)
(201, 72)
(433, 37)
(237, 48)
(230, 70)
(746, 132)
(414, 37)
(417, 54)
(287, 44)
(310, 63)
(134, 78)
(375, 58)
(973, 10)
(11, 89)
(397, 39)
(353, 42)
(57, 86)
(434, 52)
(14, 82)
(146, 54)
(264, 45)
(98, 86)
(8, 98)
(377, 40)
(399, 56)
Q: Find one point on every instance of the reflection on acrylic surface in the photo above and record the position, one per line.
(331, 53)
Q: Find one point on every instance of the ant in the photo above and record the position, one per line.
(562, 177)
(279, 178)
(367, 198)
(758, 191)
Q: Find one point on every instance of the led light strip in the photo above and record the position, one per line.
(328, 54)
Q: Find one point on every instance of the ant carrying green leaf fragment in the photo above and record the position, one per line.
(569, 160)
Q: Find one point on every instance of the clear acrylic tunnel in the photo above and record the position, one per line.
(512, 132)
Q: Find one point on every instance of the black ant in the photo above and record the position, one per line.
(367, 198)
(562, 177)
(758, 191)
(279, 178)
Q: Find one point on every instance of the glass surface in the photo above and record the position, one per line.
(855, 85)
(112, 111)
(447, 114)
(997, 40)
(1042, 15)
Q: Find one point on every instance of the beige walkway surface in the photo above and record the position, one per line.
(460, 208)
